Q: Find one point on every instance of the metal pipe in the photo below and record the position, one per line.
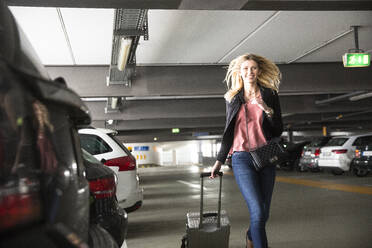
(320, 46)
(360, 97)
(66, 35)
(250, 35)
(355, 28)
(338, 98)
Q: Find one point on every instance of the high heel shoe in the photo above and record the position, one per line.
(248, 242)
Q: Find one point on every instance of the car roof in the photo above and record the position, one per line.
(102, 130)
(351, 136)
(108, 131)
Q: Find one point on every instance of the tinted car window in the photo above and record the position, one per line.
(94, 144)
(363, 141)
(367, 141)
(336, 142)
(319, 142)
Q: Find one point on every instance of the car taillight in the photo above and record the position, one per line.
(103, 187)
(19, 204)
(357, 153)
(317, 152)
(340, 151)
(124, 163)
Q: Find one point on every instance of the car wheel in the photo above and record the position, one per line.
(299, 168)
(337, 172)
(316, 169)
(99, 238)
(360, 172)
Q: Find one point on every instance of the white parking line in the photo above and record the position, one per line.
(192, 185)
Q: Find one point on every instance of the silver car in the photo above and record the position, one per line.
(310, 154)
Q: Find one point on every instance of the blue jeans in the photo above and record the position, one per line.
(257, 189)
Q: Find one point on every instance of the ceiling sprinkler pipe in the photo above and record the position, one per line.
(356, 37)
(356, 40)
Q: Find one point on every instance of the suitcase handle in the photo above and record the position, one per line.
(207, 174)
(210, 215)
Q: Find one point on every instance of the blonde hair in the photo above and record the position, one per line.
(268, 77)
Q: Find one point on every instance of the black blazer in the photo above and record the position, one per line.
(272, 127)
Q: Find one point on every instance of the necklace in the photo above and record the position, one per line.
(251, 93)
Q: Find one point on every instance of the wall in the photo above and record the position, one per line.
(170, 153)
(145, 153)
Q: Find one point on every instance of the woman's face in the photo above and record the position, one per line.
(249, 71)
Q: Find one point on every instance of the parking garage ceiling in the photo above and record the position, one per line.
(180, 68)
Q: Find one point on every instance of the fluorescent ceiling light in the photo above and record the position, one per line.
(94, 99)
(360, 97)
(114, 102)
(124, 49)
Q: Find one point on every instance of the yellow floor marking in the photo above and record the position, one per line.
(327, 185)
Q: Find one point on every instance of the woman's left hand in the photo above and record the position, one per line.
(262, 105)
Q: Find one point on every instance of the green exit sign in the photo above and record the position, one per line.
(175, 130)
(356, 59)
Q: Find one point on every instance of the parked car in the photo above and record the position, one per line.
(292, 155)
(105, 147)
(338, 153)
(44, 195)
(362, 163)
(310, 154)
(104, 207)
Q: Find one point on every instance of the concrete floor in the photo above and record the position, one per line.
(301, 216)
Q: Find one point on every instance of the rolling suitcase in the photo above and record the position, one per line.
(209, 229)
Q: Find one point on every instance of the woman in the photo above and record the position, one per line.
(253, 117)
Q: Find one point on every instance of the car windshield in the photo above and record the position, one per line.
(336, 142)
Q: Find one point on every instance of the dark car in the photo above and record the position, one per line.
(362, 163)
(44, 195)
(310, 155)
(104, 208)
(291, 158)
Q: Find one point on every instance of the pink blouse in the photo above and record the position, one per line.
(249, 118)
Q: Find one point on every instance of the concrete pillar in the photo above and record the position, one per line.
(200, 153)
(325, 131)
(174, 157)
(290, 135)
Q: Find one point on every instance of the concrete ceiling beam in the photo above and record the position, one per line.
(300, 78)
(202, 5)
(202, 108)
(164, 123)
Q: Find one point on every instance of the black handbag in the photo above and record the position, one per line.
(270, 154)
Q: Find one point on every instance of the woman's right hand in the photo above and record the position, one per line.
(216, 168)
